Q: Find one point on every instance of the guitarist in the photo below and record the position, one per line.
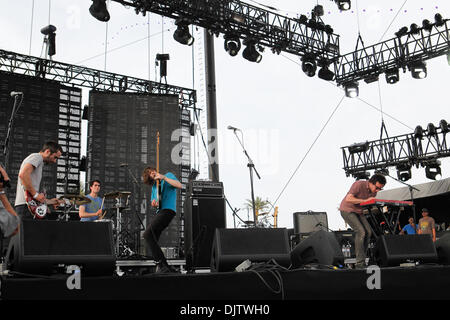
(166, 204)
(30, 175)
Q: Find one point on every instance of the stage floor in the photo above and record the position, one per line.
(312, 283)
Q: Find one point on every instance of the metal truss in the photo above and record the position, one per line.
(295, 36)
(369, 62)
(87, 77)
(409, 149)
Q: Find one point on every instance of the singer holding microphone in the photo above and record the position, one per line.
(166, 204)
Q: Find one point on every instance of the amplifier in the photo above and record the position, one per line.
(205, 189)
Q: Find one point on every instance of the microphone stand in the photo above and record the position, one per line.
(251, 167)
(10, 129)
(410, 187)
(137, 187)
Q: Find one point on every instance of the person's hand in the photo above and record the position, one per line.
(40, 197)
(154, 203)
(160, 176)
(99, 212)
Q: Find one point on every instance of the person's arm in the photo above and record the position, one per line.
(83, 214)
(25, 178)
(352, 199)
(6, 203)
(173, 182)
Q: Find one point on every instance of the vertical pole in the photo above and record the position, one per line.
(211, 107)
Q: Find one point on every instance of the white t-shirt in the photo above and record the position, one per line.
(36, 160)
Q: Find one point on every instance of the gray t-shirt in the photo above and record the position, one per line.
(36, 160)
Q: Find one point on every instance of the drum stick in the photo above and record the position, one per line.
(101, 208)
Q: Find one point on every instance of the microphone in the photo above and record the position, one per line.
(233, 128)
(14, 93)
(123, 165)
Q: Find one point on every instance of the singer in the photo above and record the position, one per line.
(164, 215)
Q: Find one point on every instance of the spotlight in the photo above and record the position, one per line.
(414, 29)
(309, 65)
(49, 32)
(343, 5)
(359, 147)
(418, 69)
(438, 20)
(326, 74)
(392, 76)
(361, 175)
(444, 126)
(433, 170)
(402, 32)
(426, 25)
(232, 44)
(404, 172)
(418, 132)
(182, 34)
(431, 129)
(99, 11)
(351, 89)
(250, 53)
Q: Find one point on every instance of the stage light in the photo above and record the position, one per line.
(404, 172)
(402, 32)
(431, 129)
(182, 34)
(426, 25)
(383, 171)
(438, 20)
(99, 10)
(392, 76)
(309, 65)
(49, 32)
(361, 175)
(232, 44)
(326, 74)
(418, 132)
(414, 29)
(250, 53)
(433, 170)
(351, 89)
(444, 126)
(358, 147)
(418, 69)
(344, 5)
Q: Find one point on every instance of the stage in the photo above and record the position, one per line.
(417, 282)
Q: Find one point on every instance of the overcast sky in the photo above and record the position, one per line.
(280, 110)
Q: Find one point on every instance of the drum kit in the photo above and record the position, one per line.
(121, 199)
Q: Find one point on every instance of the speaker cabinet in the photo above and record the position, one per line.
(202, 215)
(443, 248)
(43, 246)
(309, 222)
(233, 246)
(392, 250)
(320, 247)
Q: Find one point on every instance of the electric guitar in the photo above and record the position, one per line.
(158, 183)
(40, 209)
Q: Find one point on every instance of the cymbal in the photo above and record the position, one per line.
(76, 198)
(117, 194)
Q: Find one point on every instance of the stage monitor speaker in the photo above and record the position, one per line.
(202, 215)
(321, 247)
(443, 248)
(44, 247)
(392, 249)
(233, 246)
(309, 221)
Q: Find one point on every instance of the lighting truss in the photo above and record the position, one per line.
(248, 22)
(87, 77)
(399, 52)
(408, 149)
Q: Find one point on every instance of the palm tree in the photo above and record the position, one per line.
(260, 204)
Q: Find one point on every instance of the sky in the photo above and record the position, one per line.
(293, 126)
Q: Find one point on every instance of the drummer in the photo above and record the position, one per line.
(93, 210)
